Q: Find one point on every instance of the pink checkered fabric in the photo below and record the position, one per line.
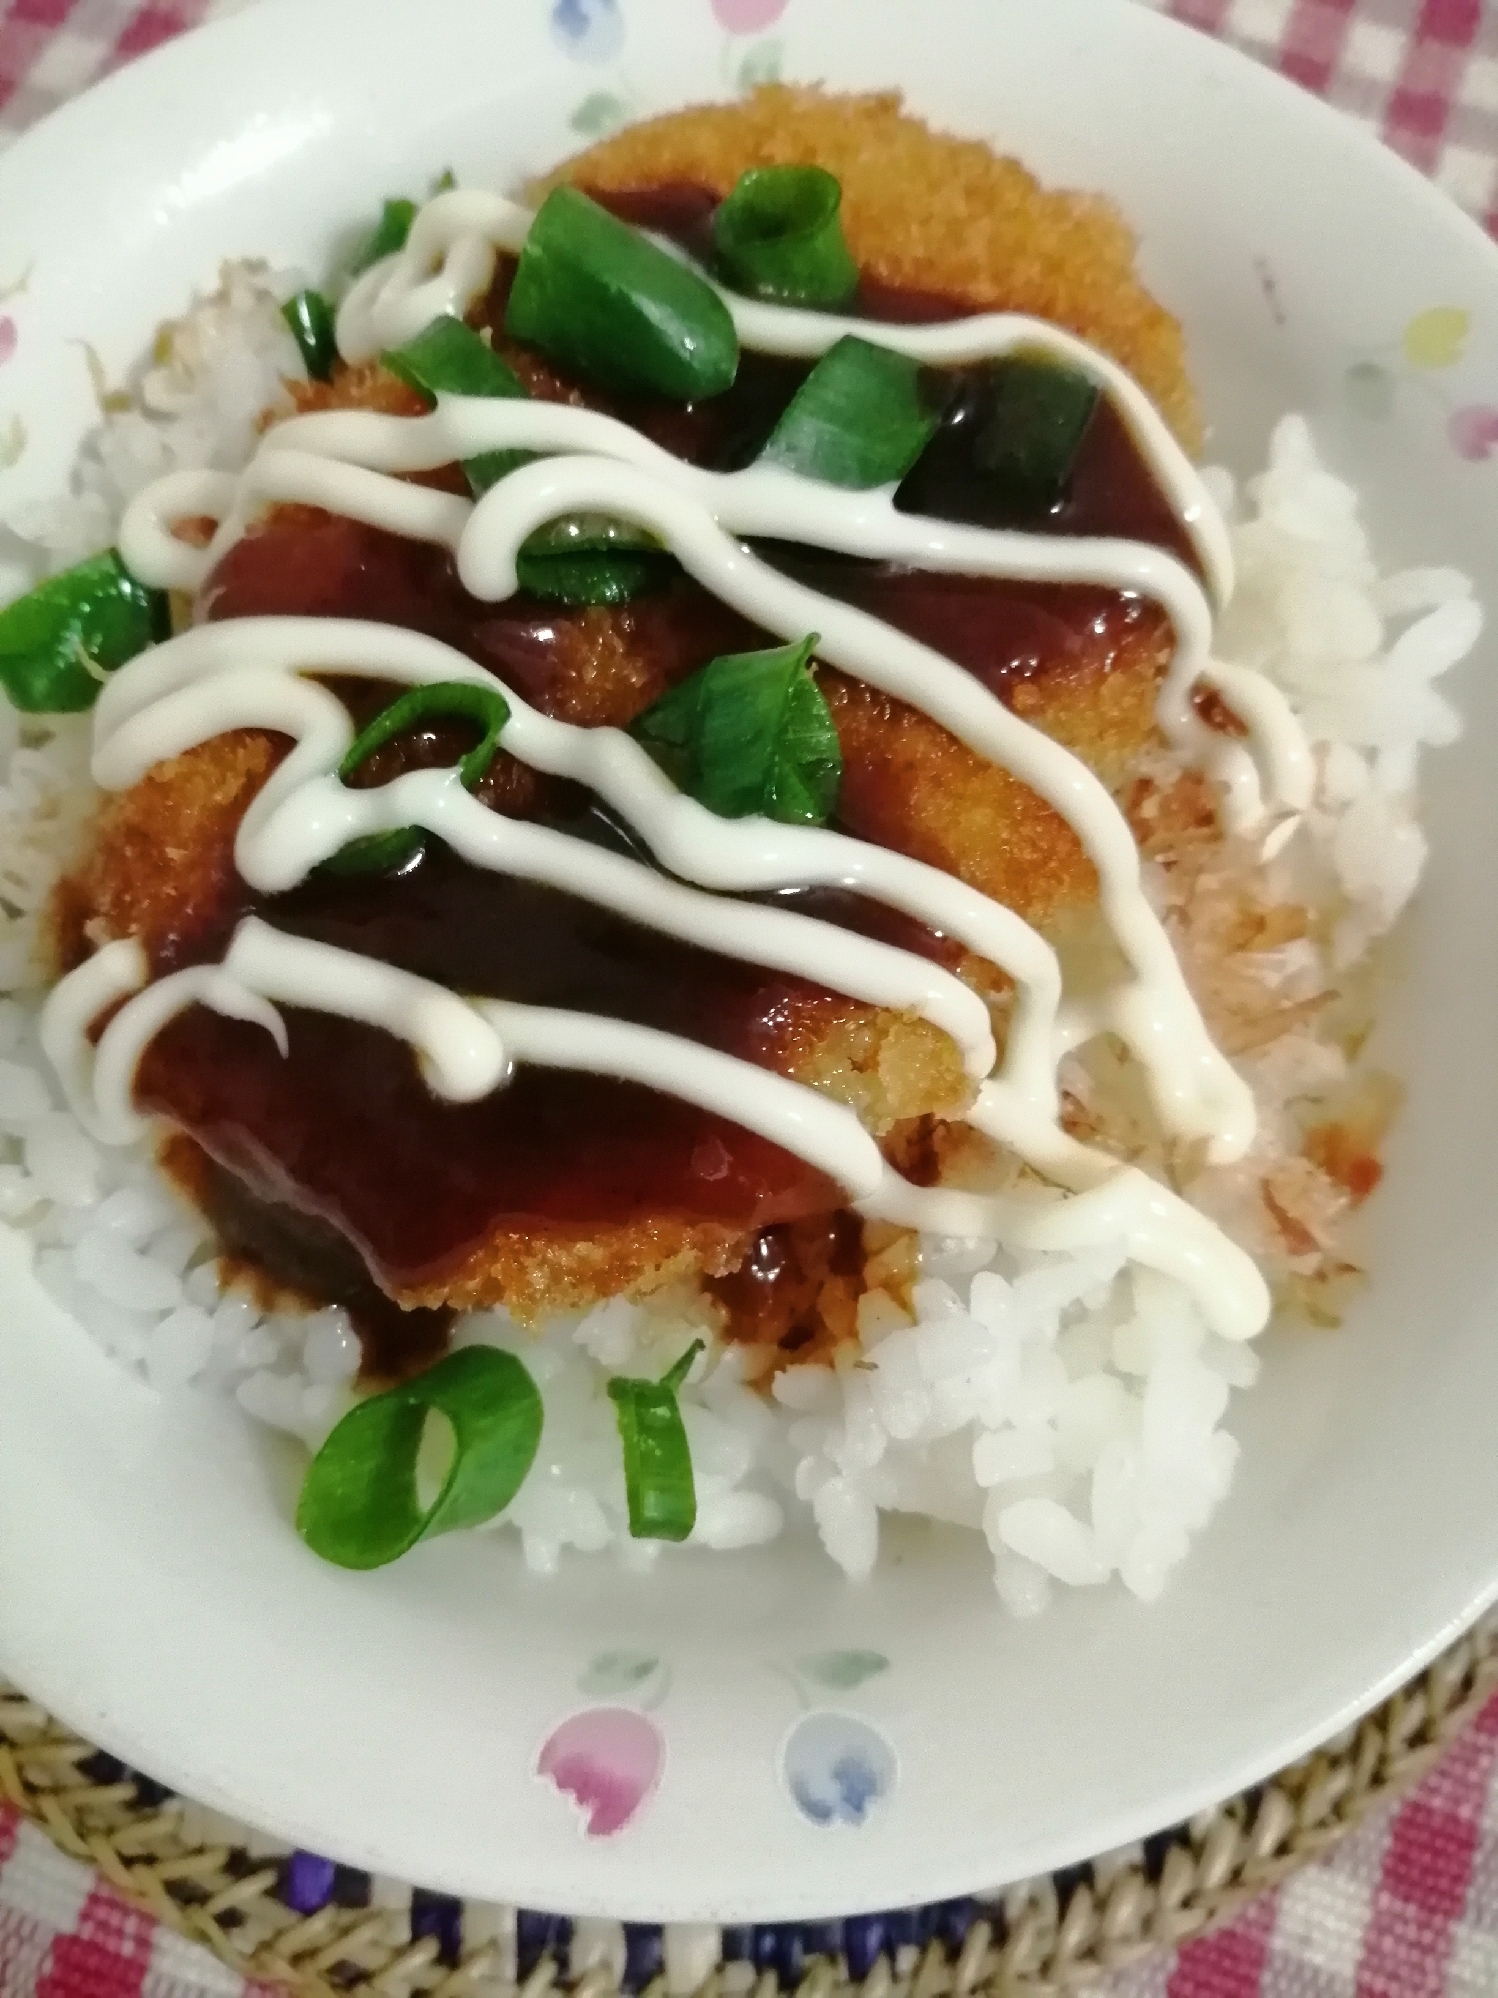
(1408, 1907)
(1421, 73)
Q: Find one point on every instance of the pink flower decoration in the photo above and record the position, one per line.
(1473, 431)
(8, 338)
(748, 17)
(608, 1760)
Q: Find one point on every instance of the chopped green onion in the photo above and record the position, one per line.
(860, 419)
(390, 234)
(657, 1459)
(779, 236)
(361, 1505)
(310, 318)
(445, 181)
(465, 698)
(1037, 416)
(58, 642)
(1007, 447)
(750, 733)
(600, 297)
(388, 852)
(589, 558)
(449, 358)
(378, 853)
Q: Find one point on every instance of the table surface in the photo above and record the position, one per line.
(1408, 1906)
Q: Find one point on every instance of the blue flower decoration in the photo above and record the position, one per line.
(837, 1768)
(589, 30)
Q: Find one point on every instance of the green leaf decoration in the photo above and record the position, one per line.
(615, 1672)
(751, 733)
(1370, 389)
(599, 115)
(841, 1671)
(761, 64)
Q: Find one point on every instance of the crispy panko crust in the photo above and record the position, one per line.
(922, 211)
(926, 212)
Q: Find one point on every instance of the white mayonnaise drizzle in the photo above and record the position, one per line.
(1195, 1088)
(250, 672)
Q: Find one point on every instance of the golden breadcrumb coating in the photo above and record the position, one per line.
(926, 212)
(922, 212)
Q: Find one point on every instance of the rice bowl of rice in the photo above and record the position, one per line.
(1067, 1543)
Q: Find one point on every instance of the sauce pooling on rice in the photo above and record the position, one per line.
(629, 964)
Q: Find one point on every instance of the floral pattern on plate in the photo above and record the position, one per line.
(836, 1766)
(1431, 344)
(607, 1760)
(12, 429)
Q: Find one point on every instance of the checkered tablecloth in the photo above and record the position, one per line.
(1408, 1907)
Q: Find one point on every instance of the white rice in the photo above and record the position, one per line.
(1069, 1407)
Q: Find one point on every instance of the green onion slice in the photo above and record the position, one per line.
(591, 558)
(389, 235)
(388, 852)
(779, 235)
(58, 642)
(464, 698)
(361, 1505)
(378, 853)
(750, 733)
(860, 419)
(449, 358)
(600, 297)
(1007, 448)
(310, 318)
(657, 1460)
(1038, 413)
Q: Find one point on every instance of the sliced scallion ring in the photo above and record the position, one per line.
(465, 699)
(590, 558)
(310, 318)
(361, 1504)
(59, 641)
(600, 297)
(449, 358)
(389, 234)
(860, 419)
(388, 852)
(658, 1477)
(779, 236)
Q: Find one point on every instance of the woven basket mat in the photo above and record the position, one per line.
(222, 1886)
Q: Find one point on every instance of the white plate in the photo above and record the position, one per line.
(151, 1588)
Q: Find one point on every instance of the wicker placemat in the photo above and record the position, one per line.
(326, 1930)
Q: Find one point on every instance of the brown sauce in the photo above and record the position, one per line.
(1000, 632)
(346, 1129)
(797, 1290)
(338, 1161)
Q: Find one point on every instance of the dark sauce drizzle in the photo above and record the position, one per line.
(338, 1162)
